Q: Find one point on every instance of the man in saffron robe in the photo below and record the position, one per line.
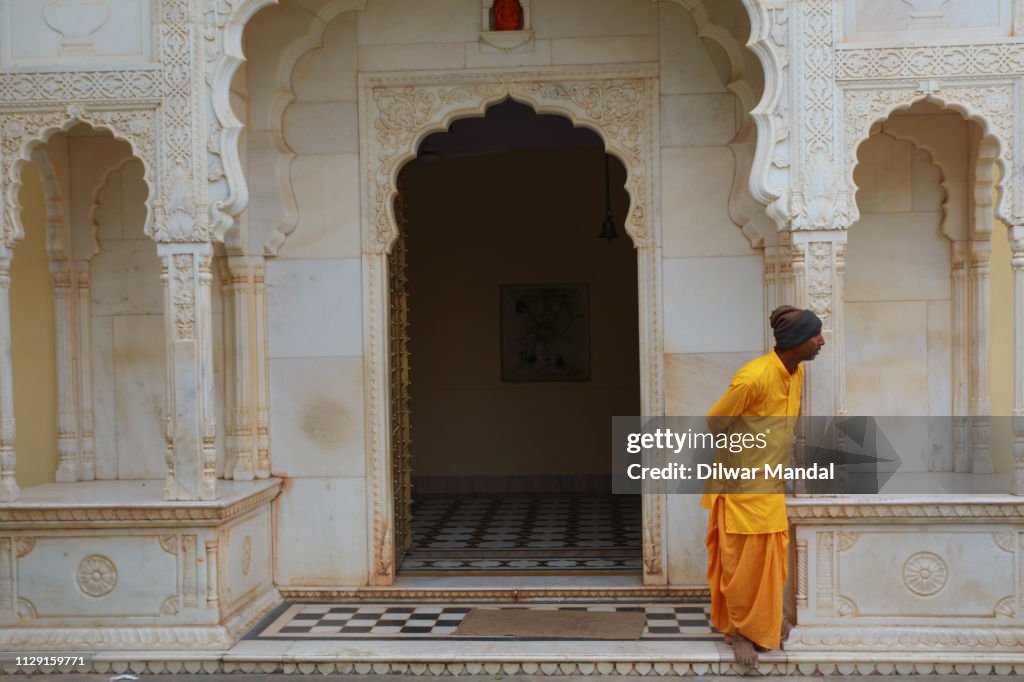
(748, 533)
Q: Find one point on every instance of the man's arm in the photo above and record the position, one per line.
(733, 403)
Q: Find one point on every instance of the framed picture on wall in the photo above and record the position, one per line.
(545, 332)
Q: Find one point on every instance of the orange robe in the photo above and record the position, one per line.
(748, 533)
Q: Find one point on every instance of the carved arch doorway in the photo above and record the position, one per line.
(396, 112)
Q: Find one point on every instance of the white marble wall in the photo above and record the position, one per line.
(35, 34)
(128, 333)
(128, 325)
(315, 326)
(315, 317)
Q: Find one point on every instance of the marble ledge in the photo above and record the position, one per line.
(130, 503)
(906, 508)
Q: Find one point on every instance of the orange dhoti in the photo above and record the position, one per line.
(746, 574)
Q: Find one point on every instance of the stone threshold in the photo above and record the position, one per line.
(566, 587)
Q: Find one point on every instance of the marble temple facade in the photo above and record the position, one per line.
(217, 183)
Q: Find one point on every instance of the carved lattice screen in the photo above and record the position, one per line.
(401, 437)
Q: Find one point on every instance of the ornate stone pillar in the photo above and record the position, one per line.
(1016, 234)
(8, 484)
(64, 311)
(262, 355)
(248, 407)
(230, 341)
(978, 372)
(186, 276)
(818, 263)
(83, 376)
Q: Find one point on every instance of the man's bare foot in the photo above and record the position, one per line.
(728, 639)
(744, 651)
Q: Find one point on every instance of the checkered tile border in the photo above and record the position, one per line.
(424, 621)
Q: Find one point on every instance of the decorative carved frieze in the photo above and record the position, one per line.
(180, 209)
(854, 663)
(183, 296)
(806, 509)
(995, 59)
(877, 638)
(131, 88)
(819, 280)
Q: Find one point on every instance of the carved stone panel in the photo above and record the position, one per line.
(907, 20)
(912, 574)
(45, 33)
(65, 576)
(245, 558)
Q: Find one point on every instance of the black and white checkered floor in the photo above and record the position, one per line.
(431, 621)
(597, 534)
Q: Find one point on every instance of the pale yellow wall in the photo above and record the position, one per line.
(1001, 350)
(33, 352)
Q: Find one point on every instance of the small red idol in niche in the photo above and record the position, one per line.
(507, 15)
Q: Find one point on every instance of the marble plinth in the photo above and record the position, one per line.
(110, 565)
(920, 573)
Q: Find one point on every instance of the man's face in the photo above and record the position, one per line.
(809, 349)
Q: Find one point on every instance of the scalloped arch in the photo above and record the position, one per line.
(933, 158)
(227, 131)
(769, 176)
(445, 124)
(869, 108)
(709, 30)
(25, 132)
(94, 204)
(629, 140)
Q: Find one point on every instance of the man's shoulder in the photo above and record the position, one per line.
(755, 370)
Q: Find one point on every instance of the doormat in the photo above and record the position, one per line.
(538, 624)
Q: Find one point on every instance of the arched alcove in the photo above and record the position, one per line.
(499, 220)
(917, 290)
